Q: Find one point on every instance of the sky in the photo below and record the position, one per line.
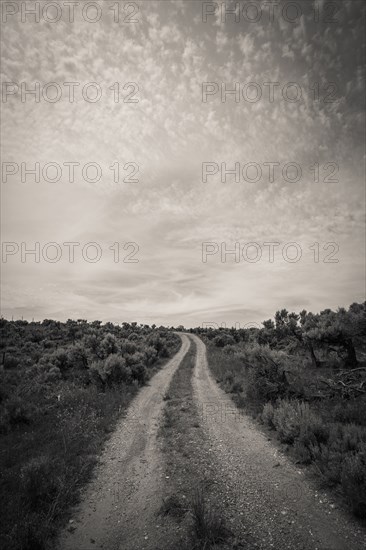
(164, 223)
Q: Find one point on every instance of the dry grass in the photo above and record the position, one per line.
(209, 526)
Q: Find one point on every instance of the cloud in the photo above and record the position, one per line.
(170, 212)
(246, 44)
(286, 52)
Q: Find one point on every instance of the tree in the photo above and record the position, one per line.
(337, 329)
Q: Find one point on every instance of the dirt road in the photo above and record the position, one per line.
(267, 500)
(118, 508)
(266, 494)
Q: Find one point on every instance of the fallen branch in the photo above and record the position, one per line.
(347, 372)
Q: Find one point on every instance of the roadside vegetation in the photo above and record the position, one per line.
(304, 377)
(63, 386)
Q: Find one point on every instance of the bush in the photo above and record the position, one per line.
(53, 375)
(111, 371)
(59, 359)
(222, 340)
(343, 442)
(77, 356)
(286, 421)
(16, 411)
(139, 373)
(11, 362)
(115, 369)
(353, 480)
(96, 372)
(128, 347)
(267, 380)
(4, 420)
(230, 349)
(350, 412)
(268, 415)
(39, 483)
(164, 352)
(135, 359)
(150, 354)
(295, 420)
(237, 386)
(108, 345)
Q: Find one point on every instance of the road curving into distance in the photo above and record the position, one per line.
(268, 501)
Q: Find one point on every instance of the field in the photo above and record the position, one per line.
(63, 388)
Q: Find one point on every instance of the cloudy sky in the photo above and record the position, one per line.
(312, 115)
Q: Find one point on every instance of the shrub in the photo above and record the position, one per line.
(77, 356)
(96, 373)
(237, 386)
(342, 442)
(138, 372)
(230, 349)
(228, 380)
(150, 354)
(39, 483)
(92, 343)
(222, 340)
(286, 421)
(135, 359)
(313, 433)
(295, 420)
(267, 380)
(59, 359)
(350, 412)
(347, 438)
(4, 420)
(268, 414)
(11, 362)
(115, 369)
(164, 352)
(353, 480)
(108, 345)
(313, 430)
(18, 411)
(53, 375)
(111, 371)
(128, 347)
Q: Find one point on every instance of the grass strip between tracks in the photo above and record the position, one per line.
(189, 501)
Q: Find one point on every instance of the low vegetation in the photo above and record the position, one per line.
(62, 388)
(189, 497)
(209, 526)
(304, 376)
